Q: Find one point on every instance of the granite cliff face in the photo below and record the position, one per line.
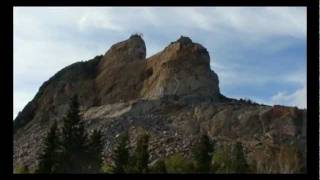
(174, 95)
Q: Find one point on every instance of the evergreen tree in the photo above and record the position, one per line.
(48, 159)
(74, 140)
(202, 154)
(239, 163)
(222, 159)
(141, 154)
(74, 153)
(95, 148)
(121, 154)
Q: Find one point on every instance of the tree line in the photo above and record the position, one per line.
(70, 149)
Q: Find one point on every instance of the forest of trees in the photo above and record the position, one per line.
(70, 149)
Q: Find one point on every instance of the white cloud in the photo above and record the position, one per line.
(297, 98)
(233, 74)
(257, 23)
(252, 23)
(47, 39)
(98, 19)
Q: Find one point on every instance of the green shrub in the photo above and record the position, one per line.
(106, 168)
(178, 164)
(230, 159)
(21, 170)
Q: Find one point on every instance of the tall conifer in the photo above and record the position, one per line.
(49, 158)
(202, 154)
(74, 140)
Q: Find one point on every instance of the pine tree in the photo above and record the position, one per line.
(202, 154)
(95, 147)
(74, 140)
(222, 161)
(75, 153)
(48, 159)
(121, 154)
(239, 163)
(141, 154)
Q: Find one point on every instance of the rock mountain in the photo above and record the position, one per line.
(174, 95)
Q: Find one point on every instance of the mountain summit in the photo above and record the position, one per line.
(174, 95)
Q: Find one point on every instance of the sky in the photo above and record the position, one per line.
(258, 52)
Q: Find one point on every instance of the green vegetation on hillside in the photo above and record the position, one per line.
(71, 149)
(121, 154)
(202, 154)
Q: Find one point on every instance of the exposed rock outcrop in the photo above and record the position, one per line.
(173, 94)
(181, 69)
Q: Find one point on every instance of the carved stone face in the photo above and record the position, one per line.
(139, 52)
(136, 47)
